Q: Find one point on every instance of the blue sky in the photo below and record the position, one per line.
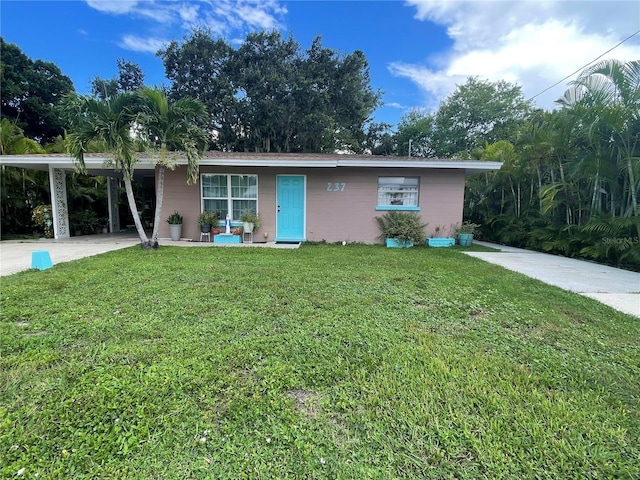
(418, 50)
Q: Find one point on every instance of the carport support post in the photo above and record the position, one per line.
(112, 196)
(60, 212)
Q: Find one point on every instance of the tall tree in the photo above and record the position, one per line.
(130, 78)
(172, 125)
(414, 135)
(606, 99)
(268, 95)
(198, 68)
(111, 122)
(570, 184)
(476, 113)
(31, 93)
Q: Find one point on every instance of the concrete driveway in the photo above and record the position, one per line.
(615, 287)
(15, 255)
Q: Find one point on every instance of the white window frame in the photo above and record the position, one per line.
(406, 197)
(229, 198)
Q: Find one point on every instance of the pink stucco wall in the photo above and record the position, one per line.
(333, 216)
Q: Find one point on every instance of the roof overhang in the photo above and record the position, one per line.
(99, 165)
(95, 165)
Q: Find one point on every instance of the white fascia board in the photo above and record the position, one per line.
(92, 162)
(242, 162)
(62, 162)
(464, 165)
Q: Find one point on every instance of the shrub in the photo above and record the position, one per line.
(86, 222)
(467, 228)
(207, 218)
(249, 217)
(174, 219)
(406, 226)
(43, 218)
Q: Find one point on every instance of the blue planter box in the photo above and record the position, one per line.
(441, 242)
(226, 238)
(465, 239)
(395, 243)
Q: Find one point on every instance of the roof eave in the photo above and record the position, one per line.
(42, 162)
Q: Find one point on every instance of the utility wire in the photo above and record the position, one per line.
(585, 66)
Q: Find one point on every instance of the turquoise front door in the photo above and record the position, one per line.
(290, 197)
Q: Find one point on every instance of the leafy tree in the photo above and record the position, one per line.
(269, 72)
(169, 125)
(605, 99)
(478, 112)
(31, 93)
(570, 181)
(13, 141)
(130, 78)
(415, 129)
(379, 139)
(268, 95)
(198, 68)
(22, 189)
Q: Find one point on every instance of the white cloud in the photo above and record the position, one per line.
(532, 43)
(189, 13)
(395, 105)
(140, 44)
(113, 6)
(222, 17)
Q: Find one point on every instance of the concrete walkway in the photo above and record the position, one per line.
(615, 287)
(15, 255)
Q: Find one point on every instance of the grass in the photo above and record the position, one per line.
(326, 362)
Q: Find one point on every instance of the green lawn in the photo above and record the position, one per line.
(351, 362)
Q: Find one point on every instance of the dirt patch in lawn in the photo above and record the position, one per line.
(306, 401)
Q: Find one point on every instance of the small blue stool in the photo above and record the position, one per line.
(41, 259)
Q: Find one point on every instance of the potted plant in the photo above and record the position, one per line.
(439, 240)
(401, 229)
(206, 220)
(175, 225)
(250, 221)
(465, 233)
(237, 231)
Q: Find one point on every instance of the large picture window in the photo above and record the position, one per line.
(399, 193)
(233, 194)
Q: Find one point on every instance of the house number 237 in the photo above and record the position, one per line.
(336, 187)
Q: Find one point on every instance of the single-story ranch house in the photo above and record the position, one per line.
(299, 197)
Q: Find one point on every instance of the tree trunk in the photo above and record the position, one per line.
(632, 187)
(159, 196)
(595, 195)
(539, 188)
(144, 241)
(515, 199)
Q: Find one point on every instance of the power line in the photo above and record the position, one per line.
(585, 66)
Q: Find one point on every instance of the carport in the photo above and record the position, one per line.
(58, 165)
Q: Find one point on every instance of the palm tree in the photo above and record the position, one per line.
(168, 126)
(111, 123)
(13, 141)
(607, 98)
